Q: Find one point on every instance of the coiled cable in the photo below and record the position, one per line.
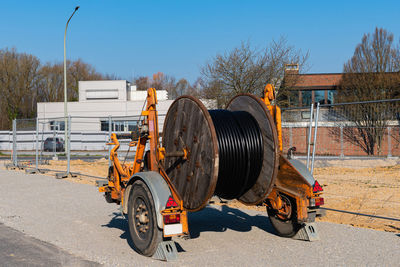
(240, 146)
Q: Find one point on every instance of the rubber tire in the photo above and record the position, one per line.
(145, 246)
(284, 228)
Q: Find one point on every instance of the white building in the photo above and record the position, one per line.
(90, 117)
(98, 100)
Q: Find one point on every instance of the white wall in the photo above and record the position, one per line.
(99, 109)
(103, 90)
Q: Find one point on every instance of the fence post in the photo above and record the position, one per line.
(341, 142)
(69, 144)
(309, 136)
(389, 129)
(109, 138)
(37, 145)
(315, 138)
(14, 127)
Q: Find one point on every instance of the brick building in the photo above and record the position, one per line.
(310, 88)
(334, 139)
(314, 88)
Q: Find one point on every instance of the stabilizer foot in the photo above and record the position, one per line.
(100, 183)
(166, 251)
(65, 175)
(31, 170)
(11, 167)
(307, 232)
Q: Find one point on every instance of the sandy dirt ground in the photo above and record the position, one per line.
(369, 190)
(363, 186)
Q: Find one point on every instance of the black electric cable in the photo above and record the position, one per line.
(240, 147)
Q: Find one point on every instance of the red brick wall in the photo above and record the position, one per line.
(328, 142)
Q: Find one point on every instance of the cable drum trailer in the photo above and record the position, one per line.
(232, 153)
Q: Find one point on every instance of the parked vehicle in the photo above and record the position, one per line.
(53, 143)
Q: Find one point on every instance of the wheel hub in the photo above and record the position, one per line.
(141, 218)
(285, 210)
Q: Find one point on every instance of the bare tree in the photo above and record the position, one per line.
(24, 82)
(371, 74)
(81, 71)
(51, 83)
(142, 83)
(248, 70)
(18, 78)
(183, 87)
(159, 81)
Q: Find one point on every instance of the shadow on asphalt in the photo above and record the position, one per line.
(118, 221)
(209, 219)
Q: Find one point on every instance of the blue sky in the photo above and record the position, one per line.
(177, 37)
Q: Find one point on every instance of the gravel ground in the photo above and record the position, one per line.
(76, 218)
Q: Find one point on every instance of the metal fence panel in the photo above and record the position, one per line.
(356, 129)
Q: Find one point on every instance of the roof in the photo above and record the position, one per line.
(318, 80)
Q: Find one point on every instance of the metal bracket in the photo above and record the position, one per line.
(166, 251)
(307, 232)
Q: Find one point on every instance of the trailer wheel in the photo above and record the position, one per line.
(286, 224)
(142, 220)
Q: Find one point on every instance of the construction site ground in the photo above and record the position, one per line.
(86, 230)
(367, 186)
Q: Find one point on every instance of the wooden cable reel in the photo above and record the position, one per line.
(188, 124)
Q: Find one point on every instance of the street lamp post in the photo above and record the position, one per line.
(65, 90)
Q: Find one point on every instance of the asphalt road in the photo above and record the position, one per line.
(75, 219)
(18, 249)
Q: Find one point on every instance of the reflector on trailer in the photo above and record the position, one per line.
(317, 188)
(172, 218)
(319, 201)
(171, 203)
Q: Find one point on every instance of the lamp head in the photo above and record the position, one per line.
(76, 8)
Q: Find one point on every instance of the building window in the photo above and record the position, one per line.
(294, 98)
(319, 96)
(104, 126)
(306, 98)
(119, 126)
(331, 96)
(132, 126)
(57, 125)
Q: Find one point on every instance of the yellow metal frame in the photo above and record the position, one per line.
(122, 173)
(289, 181)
